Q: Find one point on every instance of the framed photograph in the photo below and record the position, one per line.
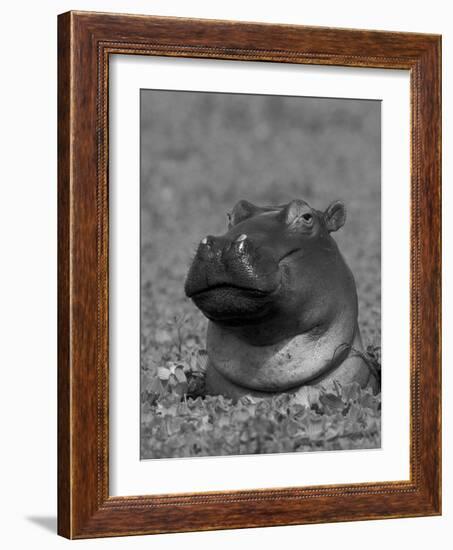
(249, 275)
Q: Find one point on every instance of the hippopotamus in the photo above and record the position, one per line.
(280, 300)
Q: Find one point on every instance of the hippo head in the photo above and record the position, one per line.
(270, 275)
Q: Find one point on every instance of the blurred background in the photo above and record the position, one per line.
(202, 152)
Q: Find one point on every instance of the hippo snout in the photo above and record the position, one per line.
(231, 277)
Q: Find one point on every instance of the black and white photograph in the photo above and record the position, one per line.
(260, 274)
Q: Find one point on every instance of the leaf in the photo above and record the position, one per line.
(241, 415)
(168, 401)
(369, 401)
(173, 424)
(292, 428)
(248, 400)
(222, 421)
(350, 392)
(332, 402)
(163, 373)
(180, 376)
(180, 389)
(337, 388)
(156, 387)
(307, 396)
(198, 361)
(301, 397)
(314, 426)
(171, 366)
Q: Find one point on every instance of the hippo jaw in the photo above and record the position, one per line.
(233, 305)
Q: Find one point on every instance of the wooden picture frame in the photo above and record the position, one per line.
(85, 42)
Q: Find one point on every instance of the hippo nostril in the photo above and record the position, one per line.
(205, 248)
(240, 242)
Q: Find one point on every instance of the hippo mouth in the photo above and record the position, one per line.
(232, 304)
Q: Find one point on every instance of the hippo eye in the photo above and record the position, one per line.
(308, 218)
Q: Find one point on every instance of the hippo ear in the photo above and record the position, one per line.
(242, 211)
(335, 216)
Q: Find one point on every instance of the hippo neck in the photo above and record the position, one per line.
(307, 358)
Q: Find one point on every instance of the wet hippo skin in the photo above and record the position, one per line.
(281, 302)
